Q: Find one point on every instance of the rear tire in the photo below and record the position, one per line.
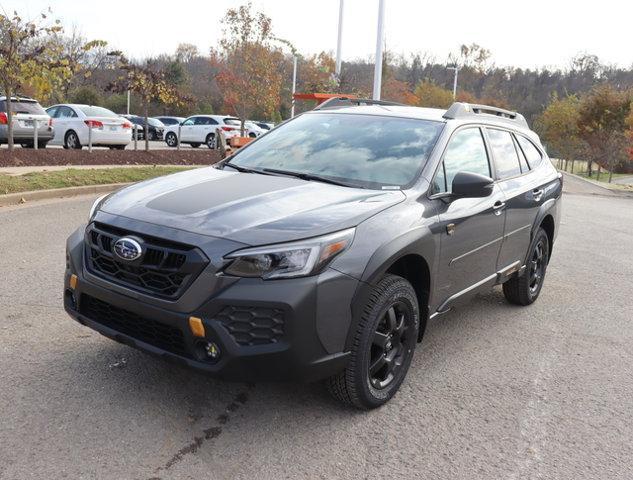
(210, 141)
(71, 141)
(171, 139)
(383, 347)
(525, 289)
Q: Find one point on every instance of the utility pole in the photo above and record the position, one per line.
(380, 37)
(294, 84)
(340, 39)
(456, 68)
(128, 102)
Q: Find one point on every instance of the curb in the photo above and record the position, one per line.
(23, 197)
(608, 192)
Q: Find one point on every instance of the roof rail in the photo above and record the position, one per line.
(465, 110)
(338, 102)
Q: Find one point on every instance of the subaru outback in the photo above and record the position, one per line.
(321, 250)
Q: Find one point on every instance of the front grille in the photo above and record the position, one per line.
(163, 336)
(165, 270)
(253, 325)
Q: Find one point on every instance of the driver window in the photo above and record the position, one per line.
(466, 152)
(187, 122)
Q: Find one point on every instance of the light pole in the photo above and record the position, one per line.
(340, 39)
(294, 84)
(380, 36)
(456, 68)
(128, 102)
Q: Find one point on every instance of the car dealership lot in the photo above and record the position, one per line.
(494, 391)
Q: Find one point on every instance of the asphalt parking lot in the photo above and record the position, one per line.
(495, 391)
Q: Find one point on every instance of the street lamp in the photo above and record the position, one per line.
(339, 40)
(456, 68)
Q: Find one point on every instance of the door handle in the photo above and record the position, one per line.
(498, 207)
(538, 193)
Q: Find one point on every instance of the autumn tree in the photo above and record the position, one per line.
(317, 74)
(248, 64)
(149, 84)
(558, 127)
(26, 57)
(431, 95)
(602, 124)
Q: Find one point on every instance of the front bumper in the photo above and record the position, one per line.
(315, 315)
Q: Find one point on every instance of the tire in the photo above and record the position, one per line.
(384, 343)
(194, 145)
(525, 289)
(42, 145)
(151, 136)
(117, 147)
(71, 141)
(210, 141)
(171, 139)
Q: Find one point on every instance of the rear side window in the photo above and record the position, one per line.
(532, 154)
(522, 161)
(466, 152)
(65, 112)
(23, 106)
(52, 112)
(504, 154)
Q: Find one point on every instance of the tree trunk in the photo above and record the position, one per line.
(9, 93)
(589, 168)
(598, 174)
(146, 127)
(242, 121)
(566, 162)
(572, 166)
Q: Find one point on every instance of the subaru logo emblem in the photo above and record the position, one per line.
(128, 249)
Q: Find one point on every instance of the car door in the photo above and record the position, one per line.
(64, 122)
(203, 127)
(517, 184)
(186, 130)
(470, 229)
(57, 135)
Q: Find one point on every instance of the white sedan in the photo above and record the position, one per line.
(200, 129)
(77, 125)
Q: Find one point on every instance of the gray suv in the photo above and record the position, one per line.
(321, 250)
(26, 112)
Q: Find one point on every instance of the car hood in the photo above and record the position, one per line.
(249, 208)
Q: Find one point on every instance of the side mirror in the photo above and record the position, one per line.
(471, 185)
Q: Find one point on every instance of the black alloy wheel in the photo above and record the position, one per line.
(391, 344)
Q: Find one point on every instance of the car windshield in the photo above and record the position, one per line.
(22, 106)
(91, 111)
(365, 150)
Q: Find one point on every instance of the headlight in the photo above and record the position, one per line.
(296, 259)
(95, 206)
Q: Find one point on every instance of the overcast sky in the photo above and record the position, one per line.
(525, 34)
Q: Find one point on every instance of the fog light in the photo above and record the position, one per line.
(73, 281)
(213, 351)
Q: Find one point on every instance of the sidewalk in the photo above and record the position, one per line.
(54, 168)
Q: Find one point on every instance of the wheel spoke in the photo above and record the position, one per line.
(380, 339)
(401, 328)
(377, 364)
(392, 321)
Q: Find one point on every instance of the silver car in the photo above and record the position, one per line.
(26, 113)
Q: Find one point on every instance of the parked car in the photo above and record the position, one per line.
(253, 129)
(265, 125)
(26, 112)
(200, 129)
(155, 128)
(170, 120)
(72, 124)
(321, 250)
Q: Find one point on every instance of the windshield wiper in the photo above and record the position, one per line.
(241, 169)
(310, 176)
